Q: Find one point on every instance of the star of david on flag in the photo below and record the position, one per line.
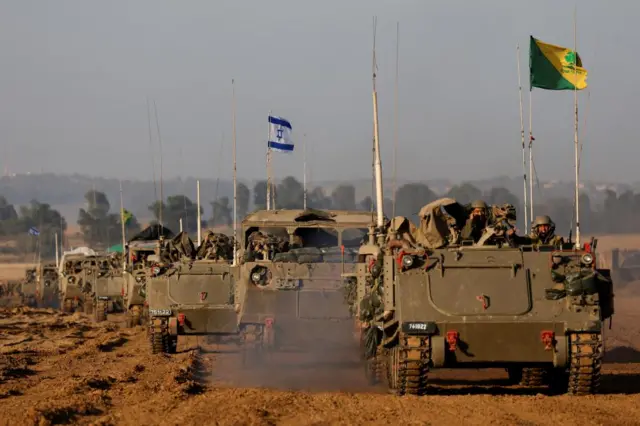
(280, 134)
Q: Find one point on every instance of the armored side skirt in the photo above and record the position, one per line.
(462, 344)
(199, 320)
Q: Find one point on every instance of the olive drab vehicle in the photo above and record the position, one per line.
(434, 302)
(104, 286)
(40, 286)
(29, 287)
(75, 270)
(292, 290)
(190, 292)
(141, 253)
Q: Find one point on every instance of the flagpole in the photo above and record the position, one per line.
(376, 143)
(304, 171)
(268, 166)
(57, 255)
(155, 108)
(530, 155)
(180, 222)
(235, 181)
(124, 236)
(575, 136)
(524, 157)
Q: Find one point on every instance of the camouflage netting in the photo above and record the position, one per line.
(178, 248)
(153, 233)
(317, 255)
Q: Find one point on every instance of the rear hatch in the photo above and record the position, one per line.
(471, 282)
(201, 284)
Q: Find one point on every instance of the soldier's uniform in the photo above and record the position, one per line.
(476, 223)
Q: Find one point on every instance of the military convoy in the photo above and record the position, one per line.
(537, 311)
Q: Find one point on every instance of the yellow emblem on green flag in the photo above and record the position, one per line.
(554, 67)
(126, 216)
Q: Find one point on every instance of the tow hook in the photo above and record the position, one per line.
(452, 340)
(547, 338)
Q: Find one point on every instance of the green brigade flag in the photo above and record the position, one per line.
(126, 216)
(554, 67)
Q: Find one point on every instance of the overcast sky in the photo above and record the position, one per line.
(76, 75)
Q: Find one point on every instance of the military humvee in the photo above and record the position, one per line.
(537, 311)
(104, 287)
(292, 289)
(187, 295)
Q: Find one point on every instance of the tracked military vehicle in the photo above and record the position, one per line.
(142, 252)
(75, 272)
(433, 301)
(189, 292)
(40, 286)
(292, 286)
(104, 286)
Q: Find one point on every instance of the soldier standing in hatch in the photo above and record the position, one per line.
(476, 223)
(543, 232)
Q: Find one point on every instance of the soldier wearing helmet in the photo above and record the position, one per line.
(477, 221)
(543, 232)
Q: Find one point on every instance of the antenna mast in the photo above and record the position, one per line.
(235, 182)
(155, 107)
(376, 138)
(395, 130)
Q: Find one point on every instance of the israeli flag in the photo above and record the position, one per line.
(280, 134)
(34, 231)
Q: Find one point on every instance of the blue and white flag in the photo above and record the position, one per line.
(34, 231)
(280, 134)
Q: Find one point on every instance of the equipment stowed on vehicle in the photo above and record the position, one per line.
(292, 286)
(537, 311)
(189, 293)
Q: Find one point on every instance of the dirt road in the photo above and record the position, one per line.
(57, 368)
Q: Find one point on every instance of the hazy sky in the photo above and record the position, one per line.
(76, 74)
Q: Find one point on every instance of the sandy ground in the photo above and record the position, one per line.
(57, 368)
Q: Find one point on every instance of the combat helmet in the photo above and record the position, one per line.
(542, 220)
(479, 204)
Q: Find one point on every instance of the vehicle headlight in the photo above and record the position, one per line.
(255, 277)
(407, 261)
(259, 275)
(155, 270)
(587, 259)
(138, 279)
(71, 280)
(557, 259)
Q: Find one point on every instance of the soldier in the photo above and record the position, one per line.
(543, 232)
(476, 223)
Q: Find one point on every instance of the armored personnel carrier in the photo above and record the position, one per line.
(436, 301)
(29, 287)
(104, 286)
(40, 286)
(189, 292)
(142, 253)
(292, 288)
(75, 272)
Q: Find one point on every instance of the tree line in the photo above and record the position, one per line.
(100, 223)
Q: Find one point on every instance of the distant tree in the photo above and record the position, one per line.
(502, 195)
(44, 219)
(366, 204)
(244, 196)
(260, 195)
(316, 199)
(222, 212)
(290, 194)
(411, 197)
(177, 207)
(8, 217)
(100, 227)
(344, 198)
(465, 193)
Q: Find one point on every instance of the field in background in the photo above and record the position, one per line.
(13, 271)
